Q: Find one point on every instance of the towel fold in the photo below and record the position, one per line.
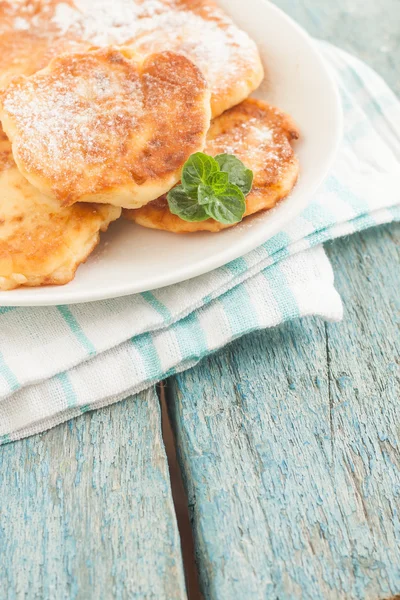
(57, 362)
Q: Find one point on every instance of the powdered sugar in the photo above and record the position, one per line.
(70, 117)
(218, 51)
(21, 24)
(105, 22)
(258, 135)
(226, 55)
(98, 124)
(209, 38)
(249, 137)
(65, 17)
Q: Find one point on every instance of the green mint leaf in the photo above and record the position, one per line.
(212, 188)
(184, 206)
(205, 194)
(198, 169)
(219, 182)
(237, 172)
(227, 208)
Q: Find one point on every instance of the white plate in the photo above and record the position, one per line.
(132, 259)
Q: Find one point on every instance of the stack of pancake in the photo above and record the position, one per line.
(101, 104)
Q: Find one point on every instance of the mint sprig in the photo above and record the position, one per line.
(212, 188)
(185, 206)
(236, 171)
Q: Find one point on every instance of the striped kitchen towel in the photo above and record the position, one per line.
(58, 362)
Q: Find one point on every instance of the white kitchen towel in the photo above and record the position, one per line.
(58, 362)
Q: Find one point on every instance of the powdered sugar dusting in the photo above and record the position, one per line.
(97, 124)
(220, 52)
(72, 118)
(200, 30)
(65, 17)
(107, 22)
(209, 38)
(257, 134)
(250, 136)
(21, 24)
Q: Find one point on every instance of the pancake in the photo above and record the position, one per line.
(29, 37)
(33, 31)
(260, 136)
(41, 244)
(103, 127)
(199, 29)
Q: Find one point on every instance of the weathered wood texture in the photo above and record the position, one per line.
(288, 441)
(290, 451)
(368, 28)
(86, 511)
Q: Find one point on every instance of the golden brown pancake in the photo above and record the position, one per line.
(226, 55)
(260, 136)
(41, 244)
(30, 38)
(102, 127)
(33, 31)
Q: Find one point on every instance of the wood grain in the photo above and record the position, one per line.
(366, 28)
(290, 452)
(86, 510)
(288, 441)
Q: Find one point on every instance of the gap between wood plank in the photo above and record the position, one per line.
(180, 501)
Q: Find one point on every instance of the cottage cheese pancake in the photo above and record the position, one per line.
(41, 244)
(226, 55)
(260, 136)
(103, 127)
(32, 31)
(29, 37)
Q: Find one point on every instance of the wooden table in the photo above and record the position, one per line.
(288, 443)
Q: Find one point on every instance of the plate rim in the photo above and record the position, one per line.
(211, 263)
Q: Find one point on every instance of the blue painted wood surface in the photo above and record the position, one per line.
(288, 441)
(86, 510)
(367, 28)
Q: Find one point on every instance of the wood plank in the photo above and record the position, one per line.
(288, 441)
(86, 510)
(366, 28)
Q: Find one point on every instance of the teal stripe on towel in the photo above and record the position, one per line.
(145, 346)
(190, 337)
(320, 237)
(158, 306)
(357, 132)
(355, 82)
(278, 243)
(352, 80)
(363, 222)
(357, 203)
(8, 375)
(319, 216)
(239, 310)
(6, 309)
(283, 294)
(76, 329)
(321, 219)
(68, 389)
(237, 267)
